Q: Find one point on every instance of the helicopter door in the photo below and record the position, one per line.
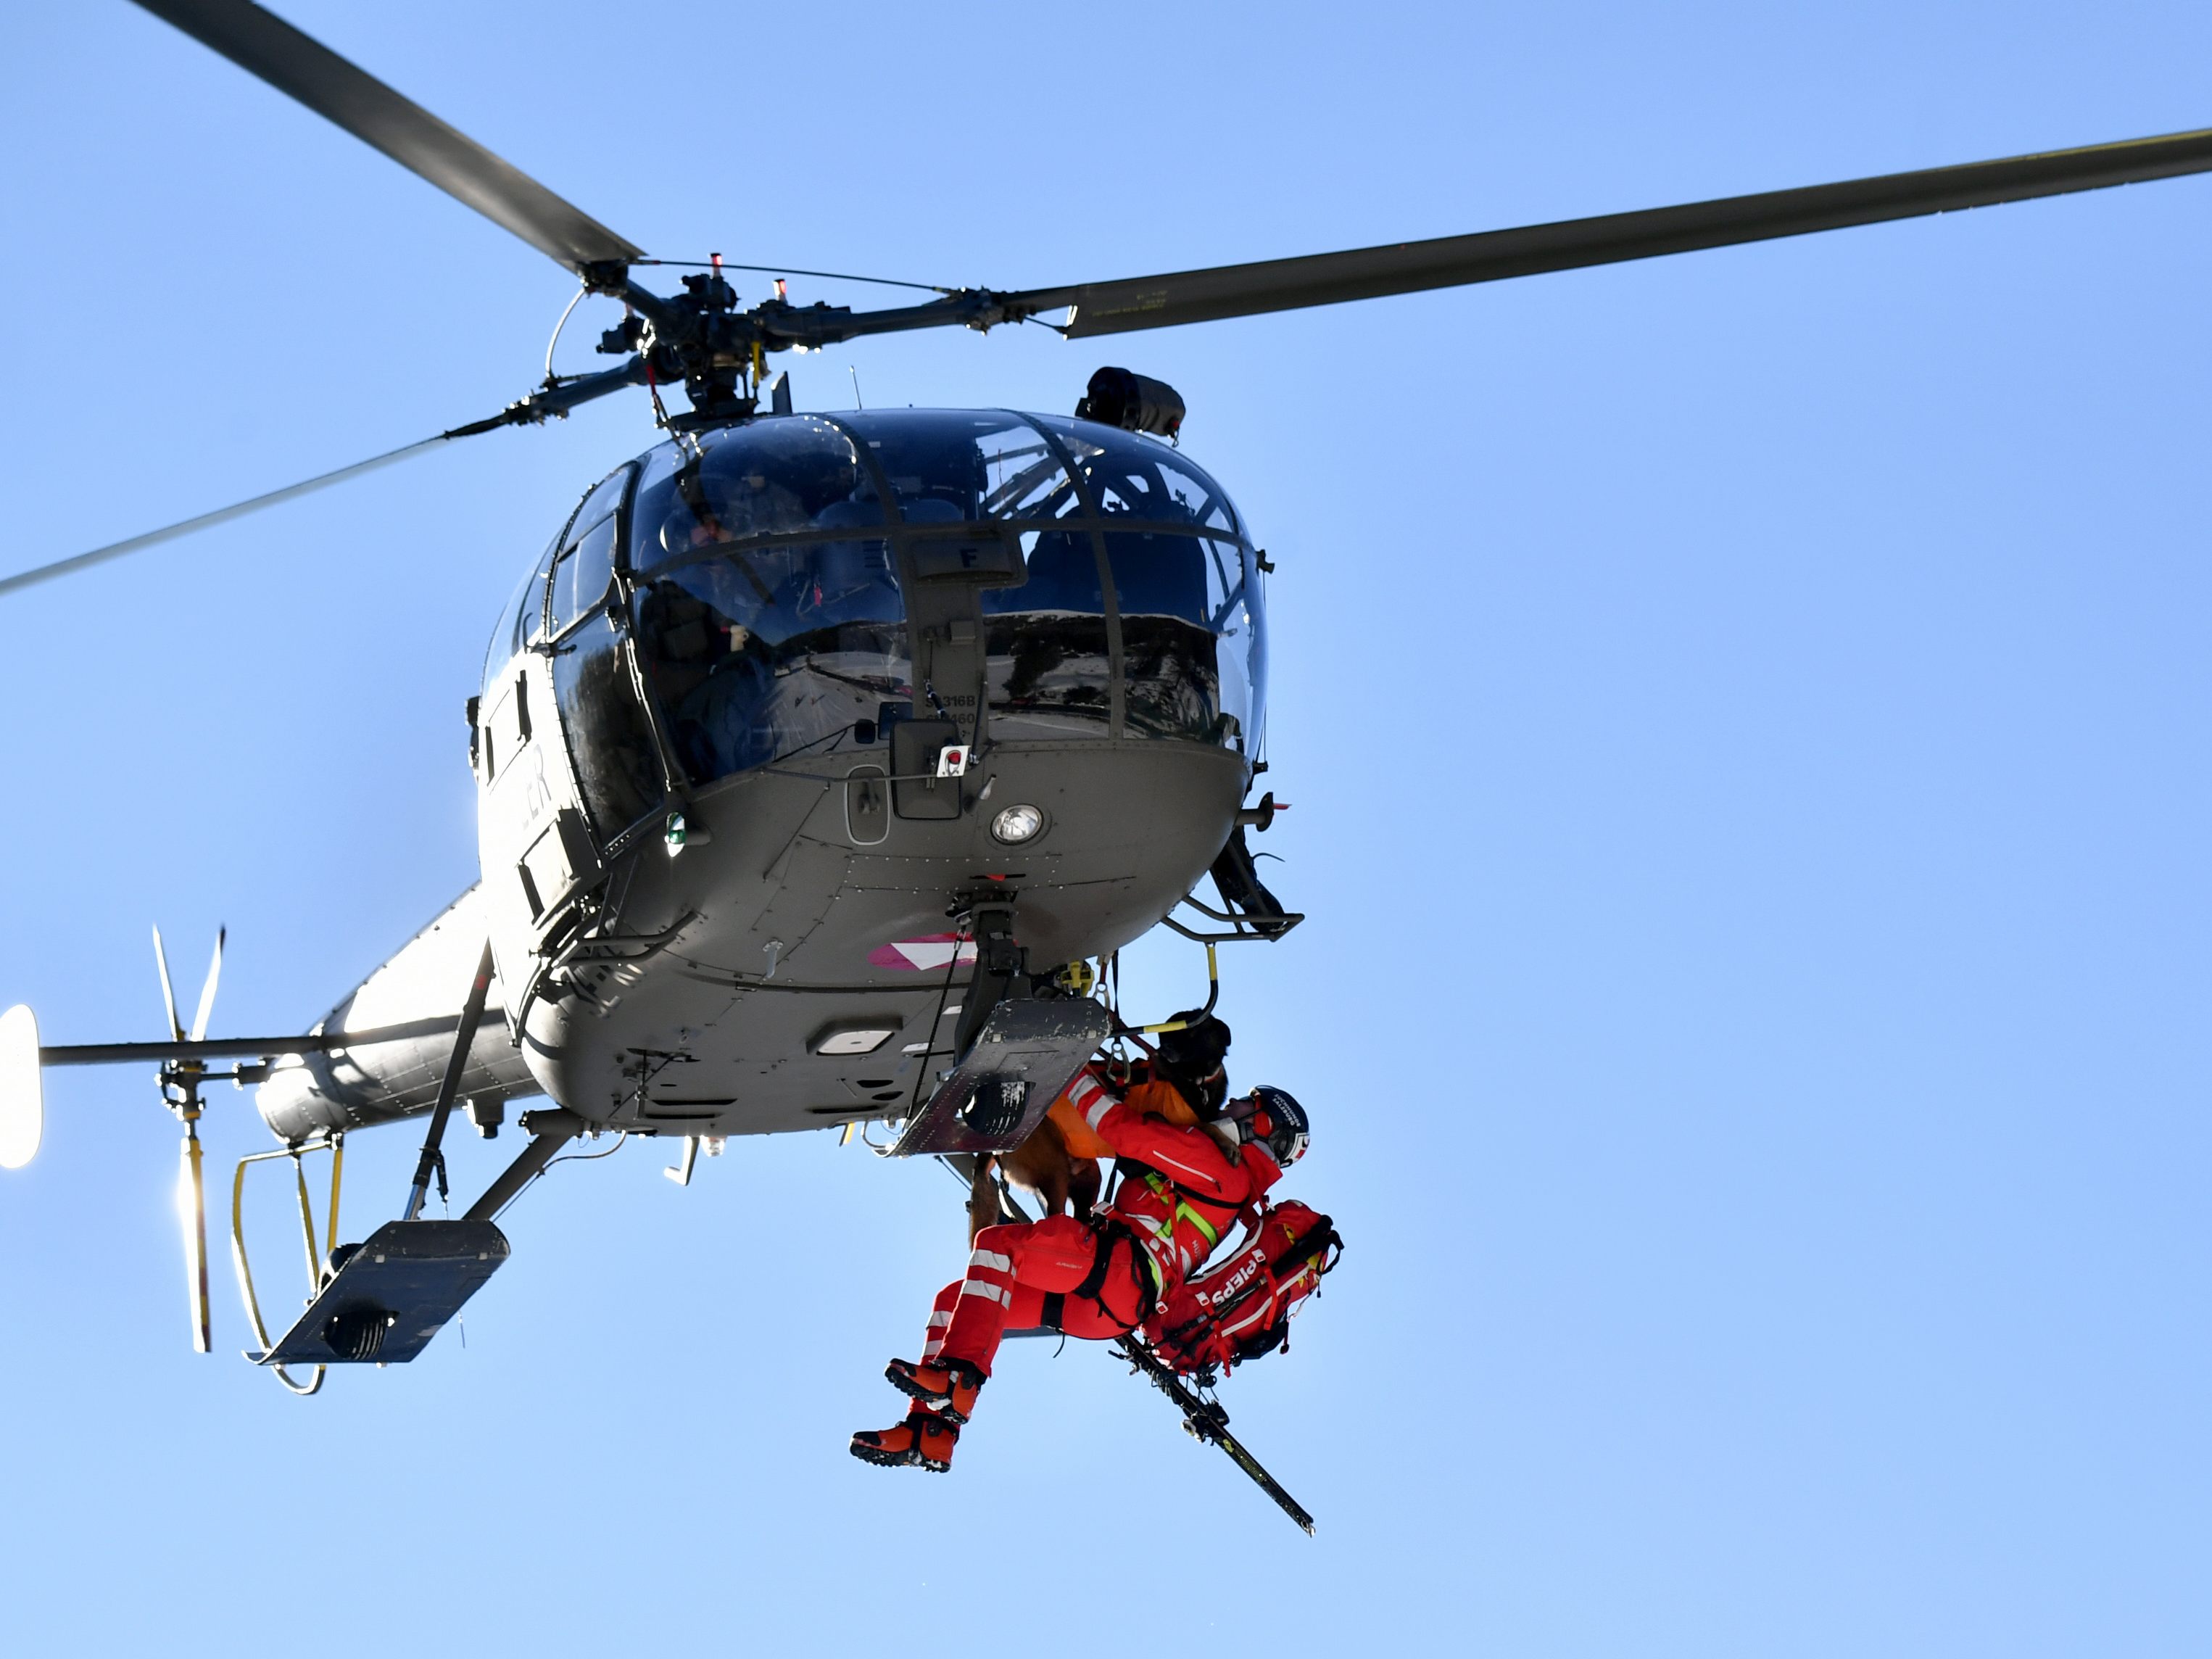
(946, 573)
(534, 828)
(613, 753)
(532, 820)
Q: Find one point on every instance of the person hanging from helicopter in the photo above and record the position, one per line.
(1184, 1081)
(1182, 1188)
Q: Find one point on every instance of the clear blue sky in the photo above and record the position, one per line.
(1746, 717)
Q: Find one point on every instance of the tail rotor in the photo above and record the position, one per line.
(168, 991)
(207, 991)
(180, 1088)
(191, 1214)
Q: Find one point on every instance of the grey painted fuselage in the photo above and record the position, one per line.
(697, 936)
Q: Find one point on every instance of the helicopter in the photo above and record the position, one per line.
(806, 749)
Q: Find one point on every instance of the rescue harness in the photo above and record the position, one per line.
(1111, 1230)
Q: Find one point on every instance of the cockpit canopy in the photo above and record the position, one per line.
(764, 574)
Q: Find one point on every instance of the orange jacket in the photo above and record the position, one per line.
(1159, 1097)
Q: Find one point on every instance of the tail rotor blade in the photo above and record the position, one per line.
(191, 1212)
(22, 1097)
(207, 991)
(168, 991)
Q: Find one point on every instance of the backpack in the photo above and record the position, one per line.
(1241, 1307)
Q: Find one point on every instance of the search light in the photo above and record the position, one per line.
(1017, 824)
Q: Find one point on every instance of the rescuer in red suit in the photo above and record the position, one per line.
(1098, 1279)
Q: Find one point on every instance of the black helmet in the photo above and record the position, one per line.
(1280, 1123)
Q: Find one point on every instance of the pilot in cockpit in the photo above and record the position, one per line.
(721, 632)
(719, 506)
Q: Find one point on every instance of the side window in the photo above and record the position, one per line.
(581, 573)
(517, 619)
(611, 741)
(587, 563)
(530, 614)
(606, 497)
(530, 618)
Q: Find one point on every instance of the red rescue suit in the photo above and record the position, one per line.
(1100, 1280)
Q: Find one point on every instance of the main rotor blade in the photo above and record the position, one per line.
(1322, 279)
(302, 67)
(222, 515)
(533, 410)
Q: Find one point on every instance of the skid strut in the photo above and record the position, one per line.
(318, 1258)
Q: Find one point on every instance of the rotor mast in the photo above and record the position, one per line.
(719, 352)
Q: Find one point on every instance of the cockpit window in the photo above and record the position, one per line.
(1023, 476)
(759, 651)
(944, 465)
(1156, 575)
(1139, 477)
(769, 478)
(764, 561)
(1186, 635)
(1047, 661)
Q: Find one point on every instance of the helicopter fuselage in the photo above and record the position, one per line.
(780, 705)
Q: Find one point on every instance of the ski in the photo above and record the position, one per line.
(1205, 1419)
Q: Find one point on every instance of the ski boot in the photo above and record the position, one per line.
(924, 1441)
(947, 1387)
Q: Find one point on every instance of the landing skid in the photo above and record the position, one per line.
(382, 1300)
